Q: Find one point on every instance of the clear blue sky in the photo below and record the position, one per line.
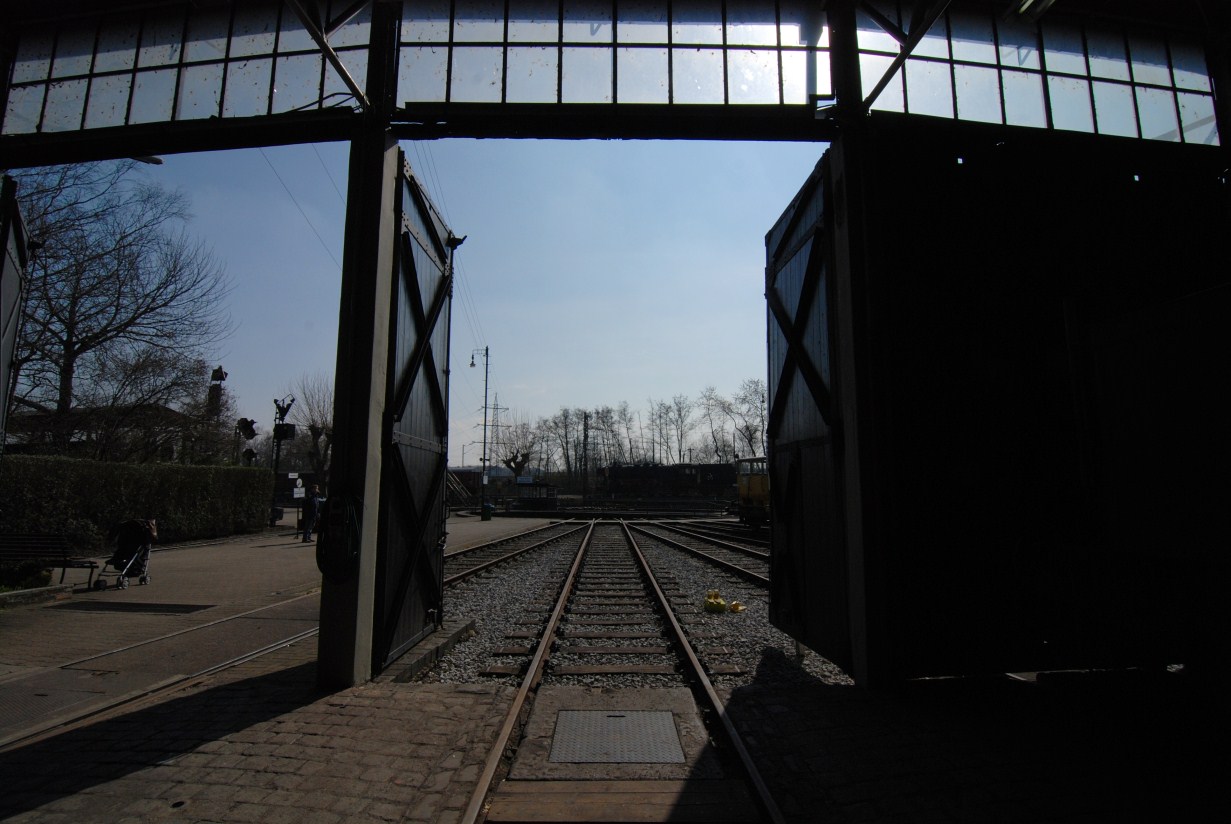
(596, 271)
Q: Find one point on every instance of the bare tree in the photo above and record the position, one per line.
(313, 418)
(520, 444)
(747, 414)
(682, 424)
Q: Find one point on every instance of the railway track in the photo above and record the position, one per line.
(578, 743)
(464, 563)
(746, 562)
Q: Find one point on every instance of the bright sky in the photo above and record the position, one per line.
(596, 271)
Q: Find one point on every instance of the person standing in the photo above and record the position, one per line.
(311, 511)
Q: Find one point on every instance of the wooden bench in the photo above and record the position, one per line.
(51, 550)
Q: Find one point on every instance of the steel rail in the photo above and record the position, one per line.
(534, 673)
(735, 569)
(461, 576)
(716, 541)
(476, 547)
(766, 800)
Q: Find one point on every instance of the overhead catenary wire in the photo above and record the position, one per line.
(294, 200)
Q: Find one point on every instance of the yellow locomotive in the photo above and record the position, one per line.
(752, 487)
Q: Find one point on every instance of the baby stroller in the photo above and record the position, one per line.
(131, 559)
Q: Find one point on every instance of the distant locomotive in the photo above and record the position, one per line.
(752, 482)
(671, 481)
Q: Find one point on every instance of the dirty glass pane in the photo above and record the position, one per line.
(1114, 109)
(752, 76)
(1188, 66)
(935, 42)
(1156, 108)
(534, 21)
(337, 93)
(587, 76)
(1019, 44)
(697, 76)
(871, 68)
(65, 101)
(752, 24)
(253, 30)
(33, 61)
(869, 33)
(160, 41)
(802, 24)
(479, 21)
(973, 40)
(1063, 50)
(200, 92)
(207, 36)
(587, 21)
(25, 105)
(641, 75)
(476, 74)
(297, 82)
(421, 74)
(1108, 57)
(1149, 61)
(293, 37)
(1197, 114)
(697, 22)
(425, 21)
(108, 104)
(532, 74)
(1070, 104)
(929, 88)
(247, 92)
(117, 46)
(642, 21)
(357, 31)
(978, 93)
(153, 96)
(1023, 99)
(74, 53)
(804, 75)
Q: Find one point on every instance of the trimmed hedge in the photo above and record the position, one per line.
(84, 499)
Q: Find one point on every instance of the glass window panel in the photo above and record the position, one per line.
(1070, 104)
(978, 94)
(479, 21)
(1156, 109)
(117, 46)
(33, 61)
(935, 41)
(207, 36)
(534, 21)
(425, 21)
(697, 76)
(108, 104)
(1063, 50)
(160, 41)
(252, 33)
(641, 21)
(292, 36)
(357, 31)
(422, 73)
(297, 82)
(1019, 44)
(532, 74)
(641, 75)
(337, 93)
(74, 52)
(1188, 66)
(892, 98)
(65, 101)
(804, 76)
(1114, 110)
(153, 96)
(25, 105)
(752, 76)
(973, 40)
(699, 21)
(587, 21)
(870, 35)
(247, 91)
(200, 92)
(587, 76)
(1197, 115)
(1023, 99)
(752, 24)
(929, 88)
(1108, 56)
(1149, 61)
(476, 74)
(803, 23)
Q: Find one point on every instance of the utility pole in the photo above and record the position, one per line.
(483, 513)
(585, 455)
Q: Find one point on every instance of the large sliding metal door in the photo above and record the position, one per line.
(410, 556)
